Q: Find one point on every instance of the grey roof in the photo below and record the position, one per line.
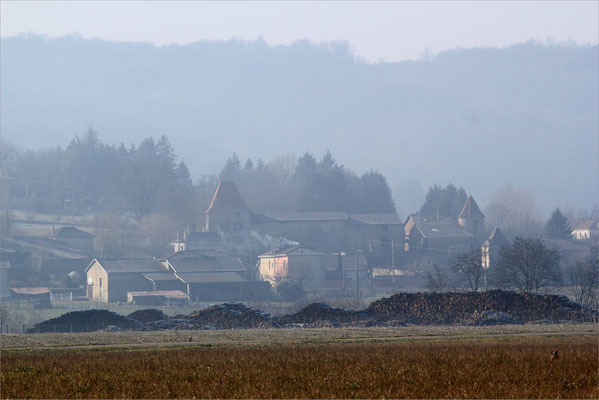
(441, 228)
(160, 276)
(205, 261)
(129, 265)
(210, 277)
(470, 210)
(71, 232)
(375, 219)
(226, 197)
(191, 236)
(308, 216)
(294, 250)
(587, 225)
(497, 239)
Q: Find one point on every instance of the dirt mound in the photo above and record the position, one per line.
(85, 321)
(464, 308)
(148, 315)
(322, 312)
(231, 316)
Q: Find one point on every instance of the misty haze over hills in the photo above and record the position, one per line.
(480, 118)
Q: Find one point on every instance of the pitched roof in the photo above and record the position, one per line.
(159, 276)
(204, 261)
(226, 197)
(299, 216)
(587, 225)
(200, 236)
(375, 219)
(129, 265)
(440, 228)
(294, 250)
(210, 277)
(497, 239)
(170, 294)
(70, 232)
(470, 210)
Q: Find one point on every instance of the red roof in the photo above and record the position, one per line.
(587, 225)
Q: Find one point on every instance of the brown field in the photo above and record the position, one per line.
(499, 367)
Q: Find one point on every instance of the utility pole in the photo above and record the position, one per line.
(357, 294)
(393, 261)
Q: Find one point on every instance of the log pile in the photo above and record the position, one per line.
(322, 312)
(459, 308)
(148, 315)
(231, 316)
(85, 321)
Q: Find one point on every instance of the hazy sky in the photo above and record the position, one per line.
(390, 31)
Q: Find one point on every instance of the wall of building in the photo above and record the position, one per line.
(97, 283)
(121, 283)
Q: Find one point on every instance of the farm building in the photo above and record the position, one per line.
(215, 276)
(110, 280)
(312, 269)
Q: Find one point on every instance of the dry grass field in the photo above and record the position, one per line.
(489, 367)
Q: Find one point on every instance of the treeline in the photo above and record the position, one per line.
(92, 177)
(306, 184)
(89, 176)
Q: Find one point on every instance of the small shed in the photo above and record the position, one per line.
(158, 297)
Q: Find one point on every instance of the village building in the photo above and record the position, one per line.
(244, 230)
(210, 275)
(311, 269)
(437, 239)
(110, 280)
(74, 238)
(588, 230)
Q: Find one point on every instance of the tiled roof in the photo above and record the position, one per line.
(170, 294)
(160, 276)
(205, 261)
(308, 216)
(210, 277)
(290, 250)
(226, 197)
(471, 210)
(129, 265)
(197, 236)
(441, 228)
(376, 219)
(587, 225)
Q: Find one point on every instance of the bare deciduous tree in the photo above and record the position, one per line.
(437, 279)
(584, 279)
(515, 211)
(469, 266)
(527, 265)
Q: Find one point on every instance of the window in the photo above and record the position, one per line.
(100, 281)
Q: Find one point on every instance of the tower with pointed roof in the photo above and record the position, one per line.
(228, 215)
(473, 219)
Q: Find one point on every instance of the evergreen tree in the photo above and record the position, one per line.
(445, 202)
(557, 227)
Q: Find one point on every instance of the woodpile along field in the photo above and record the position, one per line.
(475, 308)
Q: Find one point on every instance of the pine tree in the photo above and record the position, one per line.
(557, 227)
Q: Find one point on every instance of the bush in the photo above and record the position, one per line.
(290, 291)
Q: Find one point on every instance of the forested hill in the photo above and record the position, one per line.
(481, 118)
